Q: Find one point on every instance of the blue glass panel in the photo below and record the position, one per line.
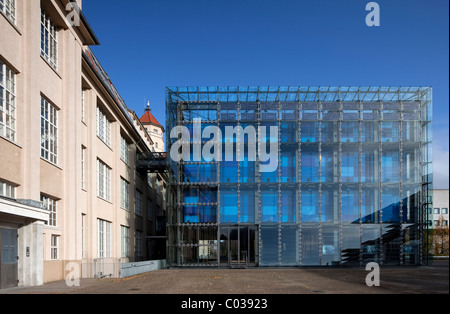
(207, 173)
(350, 206)
(269, 176)
(229, 171)
(390, 166)
(269, 245)
(208, 214)
(247, 203)
(247, 170)
(269, 202)
(390, 201)
(310, 205)
(289, 245)
(288, 205)
(350, 132)
(329, 131)
(328, 164)
(330, 205)
(350, 167)
(310, 166)
(191, 173)
(288, 132)
(228, 205)
(390, 131)
(191, 214)
(191, 196)
(309, 132)
(369, 201)
(288, 168)
(310, 245)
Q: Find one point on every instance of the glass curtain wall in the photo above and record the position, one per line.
(352, 185)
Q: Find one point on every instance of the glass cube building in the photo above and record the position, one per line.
(352, 185)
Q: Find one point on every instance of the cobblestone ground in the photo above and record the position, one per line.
(432, 279)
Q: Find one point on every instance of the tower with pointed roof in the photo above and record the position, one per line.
(154, 129)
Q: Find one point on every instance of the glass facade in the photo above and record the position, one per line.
(352, 183)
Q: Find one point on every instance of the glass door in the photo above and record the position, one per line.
(238, 246)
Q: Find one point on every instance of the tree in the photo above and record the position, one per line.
(440, 235)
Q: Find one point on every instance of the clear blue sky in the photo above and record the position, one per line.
(148, 45)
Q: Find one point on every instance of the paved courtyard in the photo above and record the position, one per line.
(432, 279)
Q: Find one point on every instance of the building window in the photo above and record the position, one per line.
(83, 99)
(49, 132)
(7, 190)
(124, 194)
(437, 211)
(138, 203)
(83, 235)
(445, 211)
(103, 238)
(50, 205)
(7, 102)
(83, 168)
(103, 181)
(54, 247)
(125, 246)
(103, 127)
(8, 7)
(124, 150)
(436, 223)
(138, 246)
(49, 41)
(445, 223)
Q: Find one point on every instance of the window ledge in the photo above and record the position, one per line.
(49, 162)
(12, 23)
(12, 142)
(51, 67)
(101, 198)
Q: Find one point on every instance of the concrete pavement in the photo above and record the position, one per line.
(405, 280)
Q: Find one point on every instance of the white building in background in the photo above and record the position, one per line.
(440, 209)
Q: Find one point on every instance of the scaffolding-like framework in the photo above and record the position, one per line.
(333, 127)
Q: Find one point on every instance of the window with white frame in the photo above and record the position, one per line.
(138, 203)
(49, 132)
(103, 238)
(83, 235)
(8, 7)
(54, 247)
(124, 150)
(50, 205)
(103, 127)
(125, 241)
(124, 194)
(103, 181)
(138, 245)
(49, 40)
(7, 190)
(83, 168)
(7, 102)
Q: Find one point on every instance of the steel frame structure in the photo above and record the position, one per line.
(319, 121)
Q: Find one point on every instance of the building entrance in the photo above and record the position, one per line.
(8, 258)
(239, 246)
